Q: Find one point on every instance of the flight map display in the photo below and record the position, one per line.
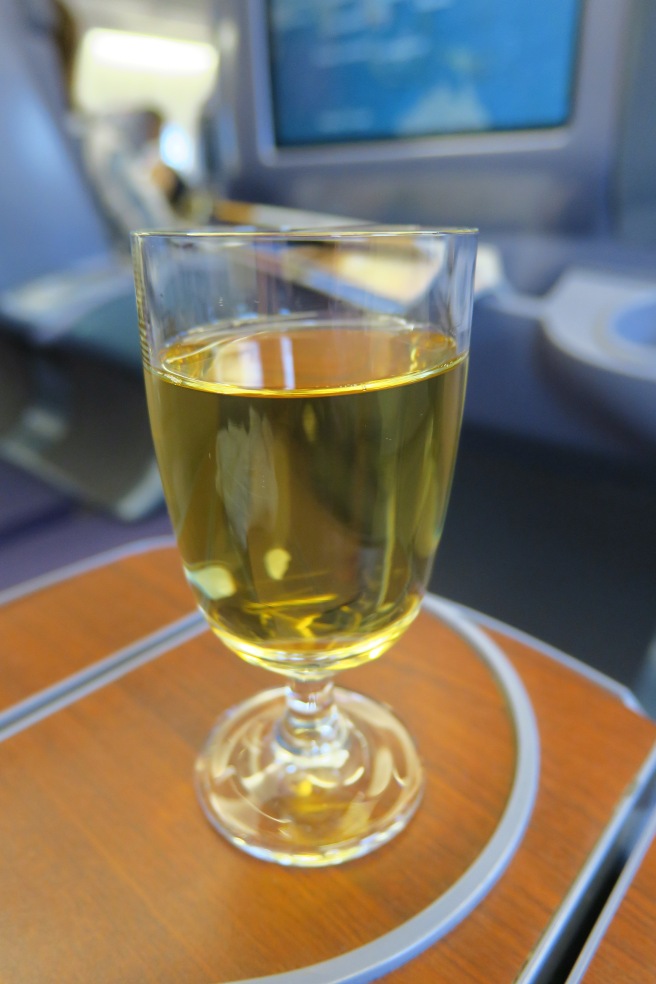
(357, 70)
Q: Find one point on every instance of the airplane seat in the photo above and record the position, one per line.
(72, 406)
(49, 216)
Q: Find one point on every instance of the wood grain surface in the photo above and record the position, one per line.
(58, 630)
(110, 872)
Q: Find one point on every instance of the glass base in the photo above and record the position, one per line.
(337, 801)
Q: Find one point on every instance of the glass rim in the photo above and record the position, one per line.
(317, 234)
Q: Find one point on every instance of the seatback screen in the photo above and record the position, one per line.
(361, 70)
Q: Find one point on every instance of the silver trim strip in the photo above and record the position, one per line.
(538, 967)
(72, 688)
(608, 913)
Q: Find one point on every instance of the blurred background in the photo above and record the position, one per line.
(536, 125)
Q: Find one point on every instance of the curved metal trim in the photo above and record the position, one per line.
(368, 962)
(600, 679)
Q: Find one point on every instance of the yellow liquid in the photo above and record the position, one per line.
(307, 469)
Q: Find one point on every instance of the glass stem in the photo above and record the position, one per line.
(312, 723)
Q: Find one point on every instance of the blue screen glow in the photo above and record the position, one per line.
(349, 70)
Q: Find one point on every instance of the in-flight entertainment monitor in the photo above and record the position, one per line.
(503, 114)
(399, 70)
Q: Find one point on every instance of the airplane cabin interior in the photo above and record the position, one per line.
(536, 124)
(551, 524)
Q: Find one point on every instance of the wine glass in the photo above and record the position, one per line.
(305, 393)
